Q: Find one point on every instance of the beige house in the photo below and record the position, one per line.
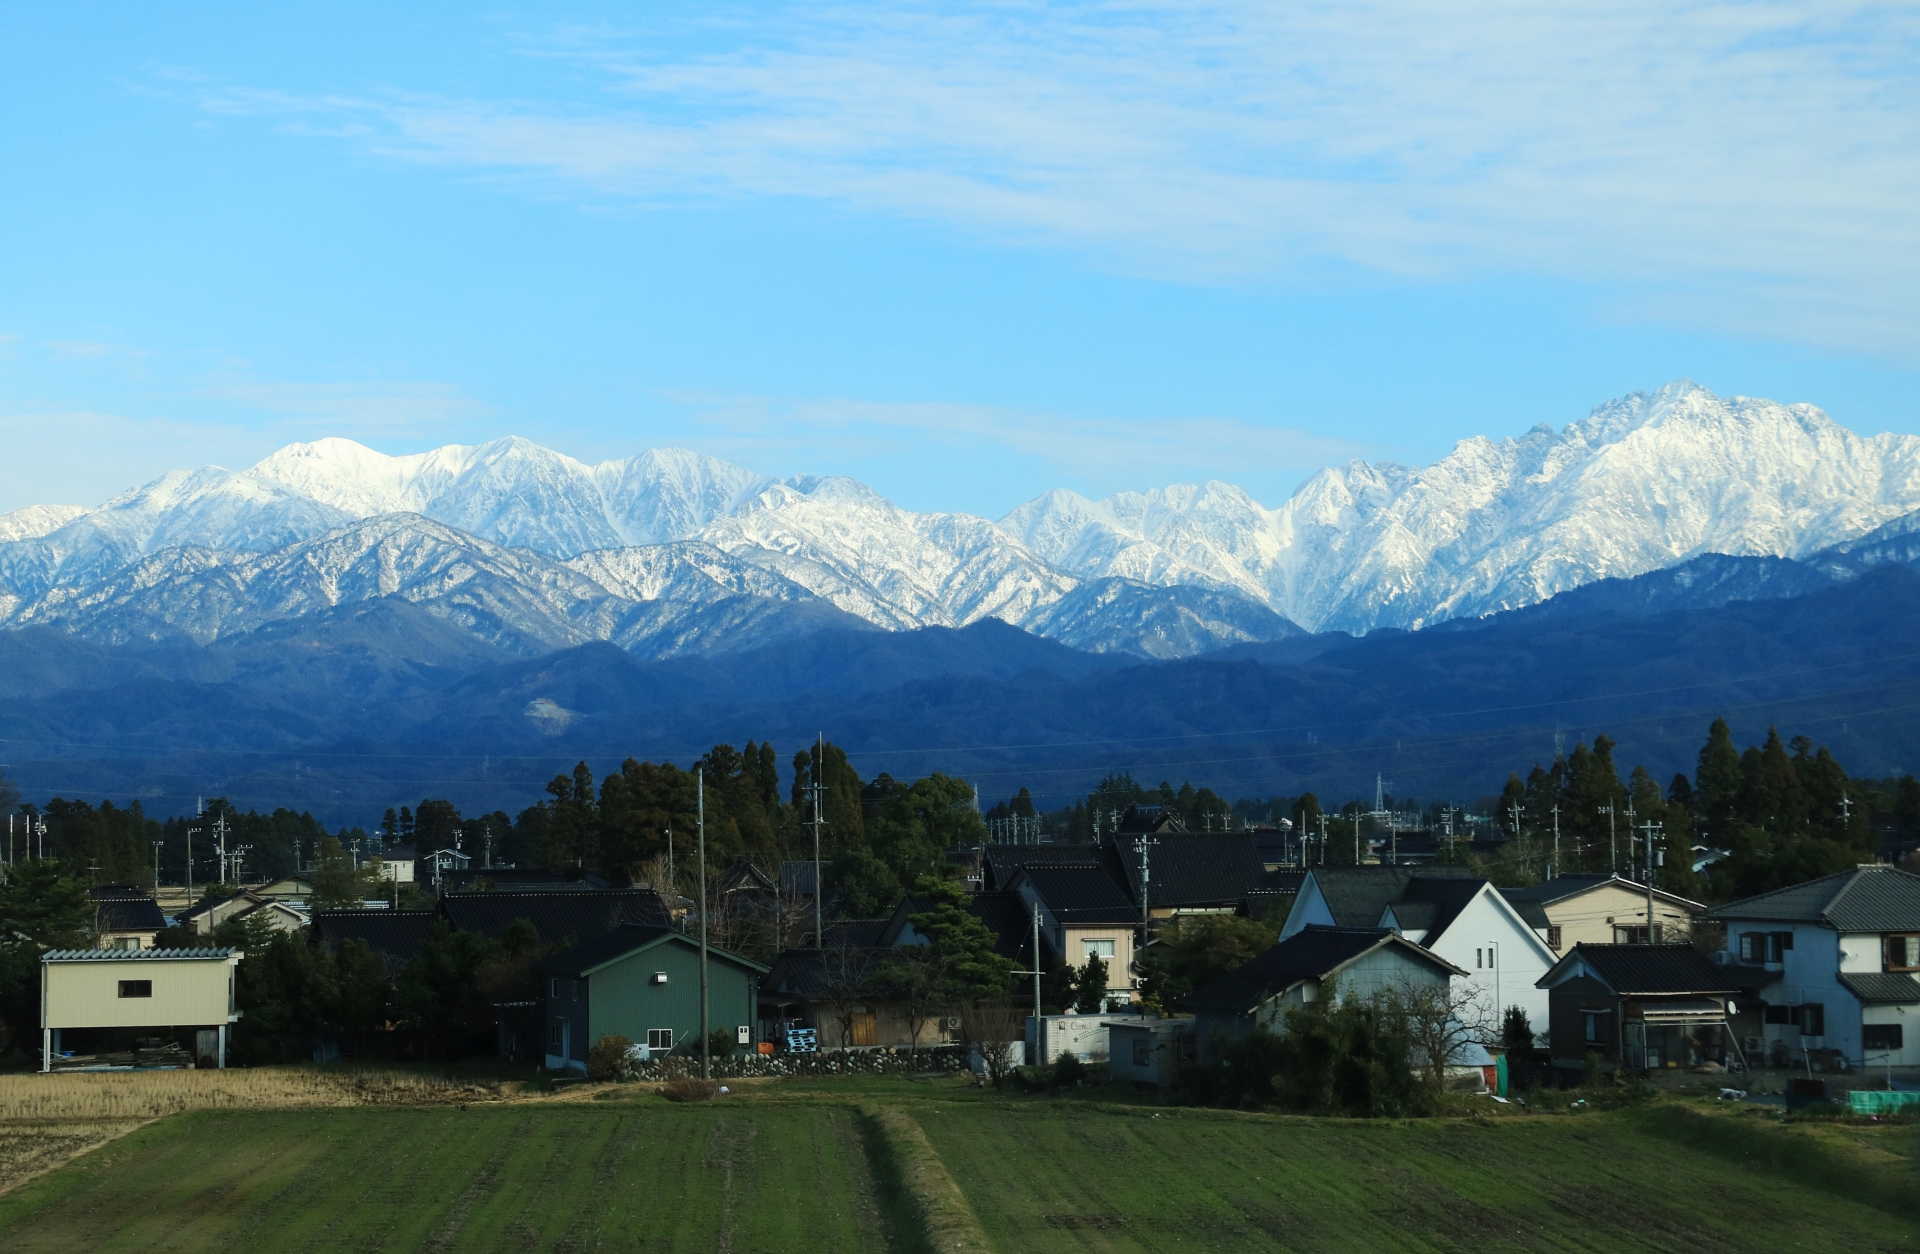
(207, 915)
(146, 988)
(1605, 910)
(125, 917)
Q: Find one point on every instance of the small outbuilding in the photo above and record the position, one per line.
(1641, 1007)
(1148, 1051)
(173, 990)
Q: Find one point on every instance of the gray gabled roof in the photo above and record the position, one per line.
(1882, 988)
(1869, 898)
(1631, 970)
(1312, 953)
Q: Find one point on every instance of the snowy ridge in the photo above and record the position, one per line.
(673, 551)
(1640, 484)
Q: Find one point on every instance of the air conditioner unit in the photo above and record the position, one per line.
(659, 977)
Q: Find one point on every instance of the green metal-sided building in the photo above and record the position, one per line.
(642, 982)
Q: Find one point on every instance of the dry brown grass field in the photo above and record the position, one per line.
(47, 1119)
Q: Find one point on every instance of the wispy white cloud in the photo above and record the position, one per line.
(1745, 165)
(1099, 454)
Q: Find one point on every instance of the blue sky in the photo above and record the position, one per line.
(965, 253)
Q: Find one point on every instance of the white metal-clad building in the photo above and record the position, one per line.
(145, 988)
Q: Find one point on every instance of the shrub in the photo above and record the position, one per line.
(689, 1089)
(611, 1058)
(721, 1042)
(1068, 1071)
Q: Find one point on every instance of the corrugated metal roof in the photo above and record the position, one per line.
(1871, 898)
(137, 955)
(1882, 988)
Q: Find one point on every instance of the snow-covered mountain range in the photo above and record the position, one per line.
(672, 552)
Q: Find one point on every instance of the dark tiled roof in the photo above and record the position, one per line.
(1010, 920)
(128, 914)
(796, 876)
(556, 916)
(1001, 862)
(206, 904)
(1191, 871)
(860, 933)
(511, 880)
(118, 892)
(1630, 969)
(818, 972)
(1882, 987)
(1359, 896)
(1866, 899)
(396, 933)
(1532, 913)
(1081, 893)
(1312, 953)
(624, 940)
(1557, 889)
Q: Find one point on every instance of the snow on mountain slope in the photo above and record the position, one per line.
(1114, 615)
(208, 508)
(1641, 483)
(35, 521)
(517, 493)
(513, 598)
(843, 541)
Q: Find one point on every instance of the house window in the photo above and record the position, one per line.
(1477, 964)
(126, 942)
(1813, 1019)
(1903, 953)
(136, 988)
(554, 1034)
(1780, 1014)
(660, 1040)
(1553, 938)
(1881, 1036)
(1637, 935)
(1596, 1020)
(553, 988)
(1101, 949)
(1143, 1051)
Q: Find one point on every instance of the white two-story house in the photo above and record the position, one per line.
(1462, 919)
(1834, 960)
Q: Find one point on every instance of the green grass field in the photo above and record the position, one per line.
(575, 1177)
(1127, 1181)
(779, 1170)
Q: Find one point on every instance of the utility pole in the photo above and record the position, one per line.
(1036, 971)
(706, 1031)
(1613, 845)
(673, 885)
(1649, 828)
(156, 862)
(1356, 838)
(40, 830)
(1553, 872)
(1323, 839)
(1141, 845)
(819, 769)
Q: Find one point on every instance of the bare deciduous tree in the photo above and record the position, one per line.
(1441, 1019)
(996, 1030)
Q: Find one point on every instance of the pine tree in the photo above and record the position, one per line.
(1718, 776)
